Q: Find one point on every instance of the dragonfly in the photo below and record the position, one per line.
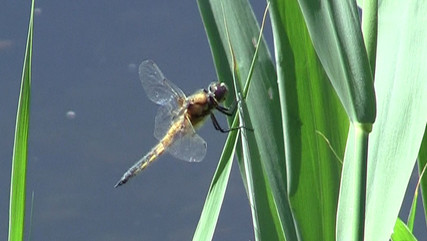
(177, 118)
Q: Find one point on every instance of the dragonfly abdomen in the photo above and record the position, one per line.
(152, 155)
(142, 163)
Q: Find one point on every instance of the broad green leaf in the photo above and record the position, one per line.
(19, 161)
(401, 88)
(337, 37)
(309, 106)
(370, 30)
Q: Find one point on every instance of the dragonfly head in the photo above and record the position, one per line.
(218, 90)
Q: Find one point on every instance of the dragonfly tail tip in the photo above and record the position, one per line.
(121, 182)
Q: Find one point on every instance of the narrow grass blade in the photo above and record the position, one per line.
(401, 232)
(209, 217)
(411, 217)
(266, 145)
(422, 163)
(351, 207)
(19, 162)
(250, 167)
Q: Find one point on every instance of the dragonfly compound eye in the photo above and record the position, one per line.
(220, 91)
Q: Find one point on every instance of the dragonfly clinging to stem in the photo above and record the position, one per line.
(178, 117)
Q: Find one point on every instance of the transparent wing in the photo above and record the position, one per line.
(159, 89)
(166, 115)
(163, 92)
(187, 145)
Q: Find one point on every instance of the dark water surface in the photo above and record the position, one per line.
(90, 121)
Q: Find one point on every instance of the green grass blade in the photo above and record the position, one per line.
(209, 217)
(249, 167)
(270, 211)
(401, 88)
(401, 232)
(422, 163)
(413, 211)
(411, 217)
(266, 146)
(351, 207)
(19, 161)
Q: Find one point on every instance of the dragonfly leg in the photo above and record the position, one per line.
(228, 110)
(219, 128)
